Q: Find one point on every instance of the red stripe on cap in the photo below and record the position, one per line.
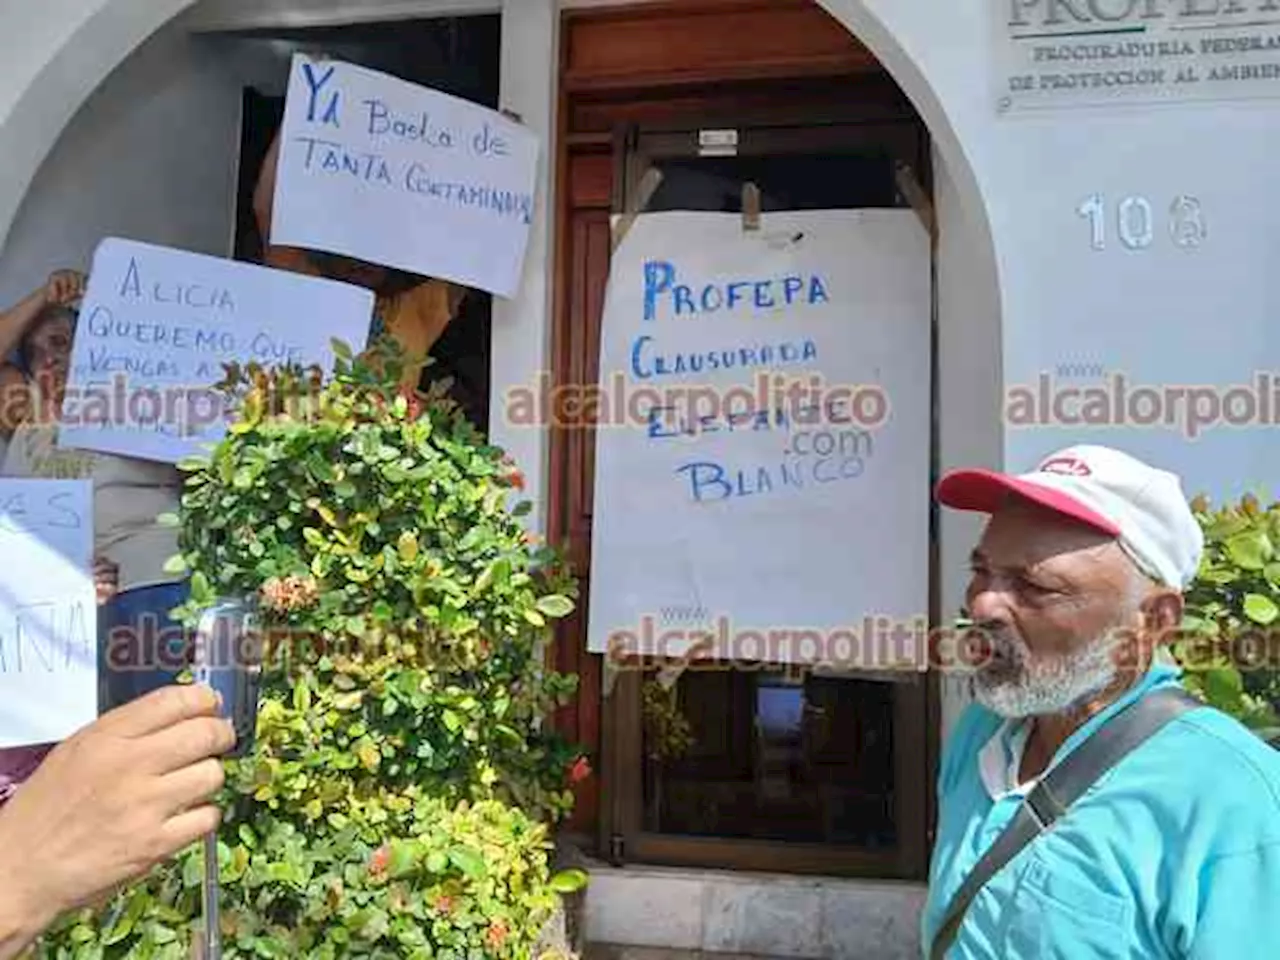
(983, 491)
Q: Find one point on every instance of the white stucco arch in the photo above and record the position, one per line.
(910, 74)
(969, 299)
(52, 57)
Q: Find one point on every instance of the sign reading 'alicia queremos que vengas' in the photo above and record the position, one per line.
(1077, 53)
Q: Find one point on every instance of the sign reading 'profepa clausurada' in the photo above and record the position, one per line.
(1064, 53)
(758, 497)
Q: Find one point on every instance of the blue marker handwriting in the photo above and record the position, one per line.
(710, 481)
(121, 355)
(645, 363)
(103, 324)
(336, 159)
(194, 295)
(187, 337)
(318, 80)
(665, 422)
(102, 360)
(45, 636)
(415, 129)
(29, 512)
(418, 127)
(324, 108)
(768, 294)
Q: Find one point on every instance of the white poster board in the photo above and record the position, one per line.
(157, 325)
(762, 460)
(390, 172)
(48, 611)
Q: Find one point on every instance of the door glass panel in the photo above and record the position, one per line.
(786, 182)
(770, 754)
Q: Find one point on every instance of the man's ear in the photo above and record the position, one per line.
(1162, 612)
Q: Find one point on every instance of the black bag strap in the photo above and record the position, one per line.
(1059, 788)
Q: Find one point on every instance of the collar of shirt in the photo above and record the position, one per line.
(1000, 760)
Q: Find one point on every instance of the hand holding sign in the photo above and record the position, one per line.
(64, 288)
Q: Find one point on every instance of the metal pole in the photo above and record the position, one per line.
(209, 946)
(212, 940)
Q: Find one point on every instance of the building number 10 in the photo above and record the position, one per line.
(1136, 222)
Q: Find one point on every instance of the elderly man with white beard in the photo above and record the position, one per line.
(1089, 806)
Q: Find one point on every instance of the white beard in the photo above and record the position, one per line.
(1021, 684)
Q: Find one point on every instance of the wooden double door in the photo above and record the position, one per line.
(747, 769)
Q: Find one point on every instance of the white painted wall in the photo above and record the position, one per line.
(1147, 314)
(969, 379)
(53, 55)
(521, 329)
(150, 156)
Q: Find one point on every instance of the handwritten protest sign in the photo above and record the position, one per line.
(382, 170)
(762, 460)
(48, 611)
(156, 327)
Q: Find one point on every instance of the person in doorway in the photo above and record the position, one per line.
(1174, 851)
(141, 647)
(412, 310)
(14, 402)
(62, 289)
(121, 795)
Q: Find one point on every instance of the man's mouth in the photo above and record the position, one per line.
(1003, 657)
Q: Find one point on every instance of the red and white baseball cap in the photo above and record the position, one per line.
(1141, 506)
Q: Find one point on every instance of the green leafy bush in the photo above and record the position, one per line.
(399, 795)
(404, 608)
(1230, 647)
(433, 880)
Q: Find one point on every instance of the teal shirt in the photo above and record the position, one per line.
(1173, 853)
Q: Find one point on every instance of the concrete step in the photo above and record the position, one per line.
(613, 951)
(654, 913)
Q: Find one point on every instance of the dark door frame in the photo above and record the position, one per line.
(916, 701)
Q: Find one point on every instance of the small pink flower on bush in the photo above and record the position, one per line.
(379, 860)
(496, 935)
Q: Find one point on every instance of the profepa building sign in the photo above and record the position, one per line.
(1059, 53)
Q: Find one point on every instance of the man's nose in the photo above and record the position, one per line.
(989, 605)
